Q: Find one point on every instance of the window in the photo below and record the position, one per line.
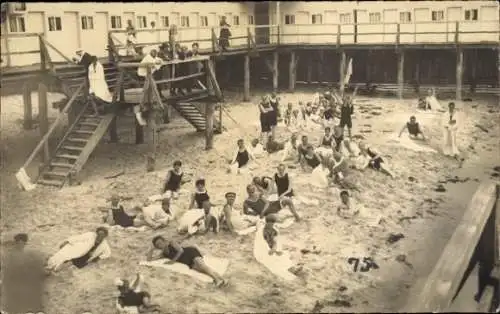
(55, 24)
(203, 21)
(116, 22)
(317, 19)
(289, 19)
(250, 20)
(16, 24)
(471, 15)
(236, 20)
(437, 15)
(345, 18)
(18, 6)
(87, 22)
(374, 18)
(142, 22)
(405, 17)
(184, 21)
(165, 22)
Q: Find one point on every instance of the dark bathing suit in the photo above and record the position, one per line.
(413, 128)
(375, 164)
(132, 298)
(121, 218)
(345, 116)
(189, 254)
(265, 119)
(174, 183)
(258, 206)
(302, 150)
(327, 141)
(282, 184)
(273, 115)
(200, 198)
(83, 261)
(313, 162)
(242, 158)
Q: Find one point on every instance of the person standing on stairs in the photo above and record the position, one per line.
(83, 59)
(150, 58)
(98, 87)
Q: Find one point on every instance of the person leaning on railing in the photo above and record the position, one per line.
(224, 34)
(142, 71)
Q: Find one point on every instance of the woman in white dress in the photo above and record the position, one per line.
(450, 127)
(98, 87)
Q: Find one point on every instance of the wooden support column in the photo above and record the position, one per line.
(292, 72)
(152, 119)
(417, 75)
(343, 60)
(246, 83)
(28, 107)
(275, 71)
(320, 66)
(401, 76)
(309, 70)
(460, 71)
(43, 118)
(473, 70)
(209, 126)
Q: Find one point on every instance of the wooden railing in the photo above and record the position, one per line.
(475, 241)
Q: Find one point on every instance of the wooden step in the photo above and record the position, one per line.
(56, 173)
(82, 132)
(85, 123)
(72, 147)
(77, 140)
(50, 182)
(66, 156)
(60, 165)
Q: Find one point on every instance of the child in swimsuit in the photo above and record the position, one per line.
(270, 233)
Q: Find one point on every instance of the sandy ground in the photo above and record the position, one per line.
(50, 215)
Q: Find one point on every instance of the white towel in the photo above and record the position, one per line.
(118, 227)
(219, 265)
(25, 181)
(188, 220)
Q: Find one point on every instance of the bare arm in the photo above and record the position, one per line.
(266, 207)
(402, 130)
(235, 156)
(149, 255)
(179, 250)
(167, 179)
(109, 218)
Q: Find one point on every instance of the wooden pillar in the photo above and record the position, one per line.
(209, 126)
(417, 75)
(460, 71)
(401, 75)
(309, 70)
(28, 107)
(342, 70)
(43, 119)
(320, 66)
(368, 67)
(275, 71)
(152, 119)
(246, 83)
(487, 253)
(473, 71)
(292, 72)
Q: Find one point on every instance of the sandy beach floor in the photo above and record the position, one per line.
(406, 205)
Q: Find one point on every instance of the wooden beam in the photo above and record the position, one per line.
(292, 72)
(309, 70)
(152, 125)
(401, 66)
(246, 82)
(209, 126)
(441, 285)
(213, 79)
(417, 74)
(320, 66)
(473, 70)
(275, 71)
(459, 73)
(28, 106)
(43, 118)
(342, 69)
(181, 78)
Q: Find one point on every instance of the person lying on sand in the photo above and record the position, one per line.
(346, 209)
(81, 250)
(132, 299)
(272, 146)
(431, 100)
(413, 128)
(187, 255)
(116, 215)
(256, 205)
(158, 216)
(256, 149)
(173, 181)
(265, 185)
(291, 150)
(325, 146)
(241, 158)
(199, 195)
(271, 233)
(374, 159)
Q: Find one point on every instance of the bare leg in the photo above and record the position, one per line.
(349, 131)
(386, 170)
(273, 132)
(291, 206)
(199, 265)
(94, 106)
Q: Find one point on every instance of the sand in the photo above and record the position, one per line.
(50, 215)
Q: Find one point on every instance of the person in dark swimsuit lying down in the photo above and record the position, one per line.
(375, 160)
(173, 181)
(413, 128)
(116, 215)
(132, 296)
(187, 255)
(200, 195)
(256, 205)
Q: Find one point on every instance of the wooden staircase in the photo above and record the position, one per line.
(75, 147)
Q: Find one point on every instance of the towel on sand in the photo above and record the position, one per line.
(191, 221)
(277, 264)
(220, 265)
(408, 143)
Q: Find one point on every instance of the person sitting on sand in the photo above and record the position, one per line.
(241, 158)
(272, 146)
(132, 299)
(310, 159)
(302, 148)
(339, 167)
(116, 215)
(257, 150)
(81, 250)
(187, 255)
(265, 185)
(271, 234)
(233, 221)
(158, 216)
(290, 151)
(345, 209)
(423, 104)
(256, 205)
(350, 149)
(283, 183)
(374, 160)
(199, 195)
(173, 181)
(325, 146)
(296, 122)
(413, 128)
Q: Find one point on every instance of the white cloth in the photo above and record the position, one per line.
(289, 152)
(156, 213)
(142, 71)
(257, 151)
(191, 221)
(319, 176)
(435, 105)
(325, 152)
(77, 247)
(450, 134)
(97, 81)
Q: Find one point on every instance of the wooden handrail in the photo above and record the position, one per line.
(180, 78)
(19, 52)
(45, 138)
(149, 64)
(56, 50)
(444, 281)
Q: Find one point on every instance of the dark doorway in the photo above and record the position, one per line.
(262, 18)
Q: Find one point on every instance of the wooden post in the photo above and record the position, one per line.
(292, 72)
(28, 106)
(473, 70)
(401, 66)
(487, 253)
(460, 71)
(320, 66)
(275, 71)
(368, 67)
(246, 83)
(309, 70)
(43, 119)
(417, 75)
(342, 71)
(152, 136)
(209, 126)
